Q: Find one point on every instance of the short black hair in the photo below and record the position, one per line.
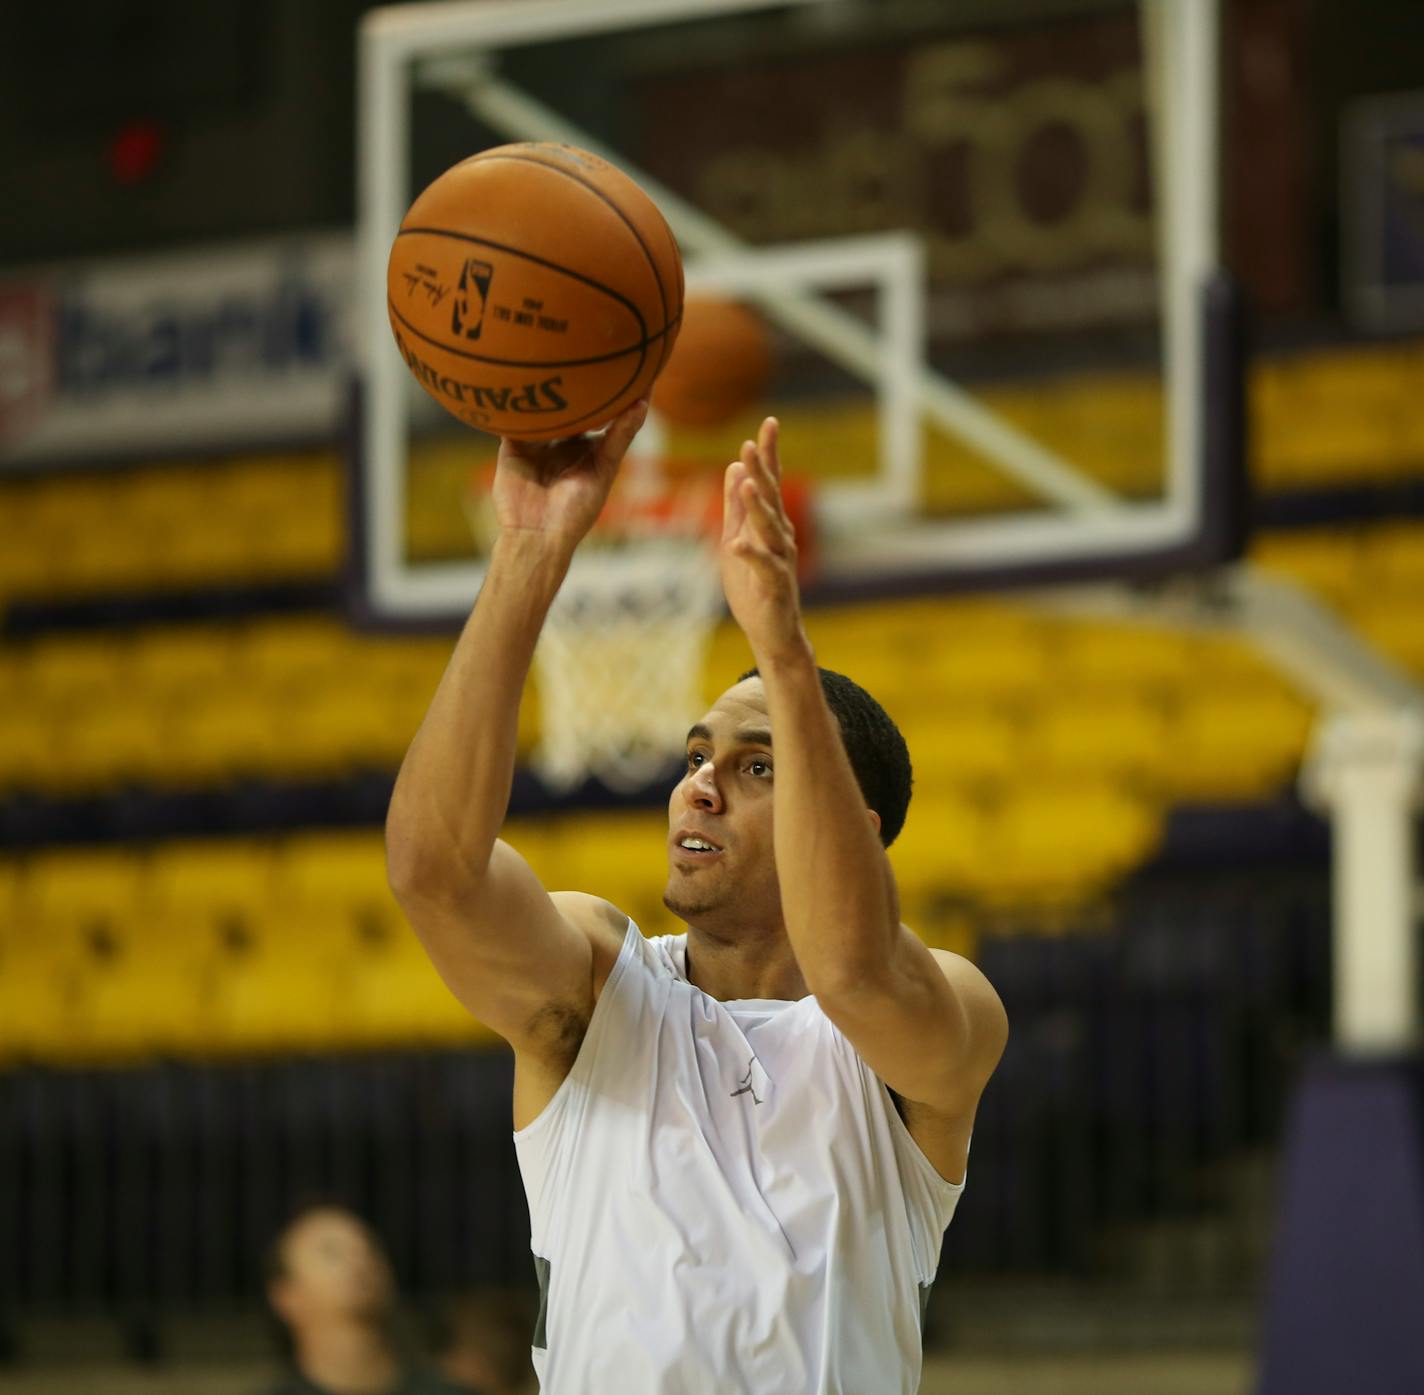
(875, 745)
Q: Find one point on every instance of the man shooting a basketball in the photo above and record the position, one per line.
(741, 1145)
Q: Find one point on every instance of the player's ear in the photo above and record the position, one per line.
(874, 820)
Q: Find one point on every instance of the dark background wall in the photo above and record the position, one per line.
(140, 124)
(244, 108)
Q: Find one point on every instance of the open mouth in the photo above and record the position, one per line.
(689, 847)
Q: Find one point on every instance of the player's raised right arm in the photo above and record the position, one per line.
(506, 950)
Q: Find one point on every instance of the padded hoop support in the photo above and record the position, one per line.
(1345, 1307)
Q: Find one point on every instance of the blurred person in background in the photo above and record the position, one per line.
(484, 1346)
(331, 1289)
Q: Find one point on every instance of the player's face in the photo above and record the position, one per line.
(334, 1271)
(723, 804)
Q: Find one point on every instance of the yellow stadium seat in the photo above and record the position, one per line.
(39, 1000)
(1116, 736)
(1325, 561)
(1068, 841)
(9, 886)
(1243, 744)
(1092, 657)
(1393, 557)
(147, 996)
(960, 483)
(213, 878)
(290, 651)
(942, 847)
(281, 980)
(86, 668)
(12, 680)
(619, 856)
(416, 660)
(27, 745)
(1332, 418)
(106, 744)
(84, 883)
(62, 503)
(1394, 623)
(332, 727)
(266, 485)
(340, 871)
(161, 493)
(967, 747)
(235, 733)
(988, 670)
(99, 559)
(276, 999)
(1232, 664)
(27, 564)
(297, 540)
(391, 995)
(190, 660)
(1113, 427)
(404, 676)
(207, 548)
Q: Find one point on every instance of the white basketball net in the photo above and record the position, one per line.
(620, 660)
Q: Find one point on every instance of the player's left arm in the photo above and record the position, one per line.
(926, 1021)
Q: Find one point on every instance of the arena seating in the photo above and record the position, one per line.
(1049, 752)
(1096, 1083)
(1329, 417)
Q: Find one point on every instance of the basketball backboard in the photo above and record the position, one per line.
(983, 237)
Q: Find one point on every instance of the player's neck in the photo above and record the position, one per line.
(755, 967)
(352, 1358)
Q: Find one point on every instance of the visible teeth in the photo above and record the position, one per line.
(697, 845)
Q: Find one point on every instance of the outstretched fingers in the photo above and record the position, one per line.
(766, 534)
(768, 442)
(734, 511)
(754, 519)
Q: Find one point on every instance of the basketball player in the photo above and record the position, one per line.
(741, 1145)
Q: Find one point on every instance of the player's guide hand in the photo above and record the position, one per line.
(758, 551)
(558, 488)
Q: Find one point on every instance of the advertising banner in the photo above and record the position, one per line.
(196, 350)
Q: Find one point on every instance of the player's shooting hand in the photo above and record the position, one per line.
(558, 488)
(758, 552)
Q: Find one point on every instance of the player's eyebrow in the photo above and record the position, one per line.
(746, 736)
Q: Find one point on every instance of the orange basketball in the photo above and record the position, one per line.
(535, 291)
(721, 365)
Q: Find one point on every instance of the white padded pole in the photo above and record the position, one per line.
(1366, 769)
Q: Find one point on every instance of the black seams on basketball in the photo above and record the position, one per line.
(534, 291)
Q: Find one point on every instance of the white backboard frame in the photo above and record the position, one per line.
(869, 534)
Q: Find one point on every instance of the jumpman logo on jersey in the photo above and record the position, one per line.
(746, 1083)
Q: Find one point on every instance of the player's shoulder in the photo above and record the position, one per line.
(980, 999)
(592, 914)
(601, 921)
(964, 974)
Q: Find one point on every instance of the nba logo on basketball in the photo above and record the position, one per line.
(467, 317)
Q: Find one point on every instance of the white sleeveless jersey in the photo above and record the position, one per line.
(724, 1201)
